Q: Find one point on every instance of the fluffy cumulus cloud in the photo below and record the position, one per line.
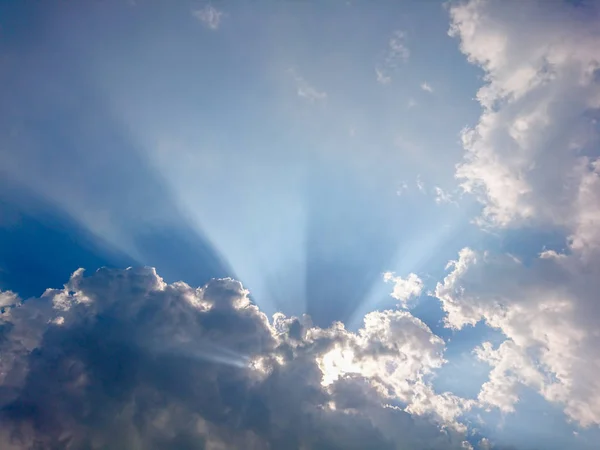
(404, 288)
(532, 159)
(532, 154)
(121, 359)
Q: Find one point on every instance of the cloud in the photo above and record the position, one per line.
(548, 312)
(395, 54)
(402, 188)
(121, 359)
(209, 15)
(426, 87)
(306, 90)
(532, 159)
(535, 145)
(442, 196)
(404, 288)
(397, 51)
(420, 184)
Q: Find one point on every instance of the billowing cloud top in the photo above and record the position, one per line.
(533, 160)
(121, 359)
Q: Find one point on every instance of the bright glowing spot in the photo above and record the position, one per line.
(260, 365)
(336, 363)
(263, 366)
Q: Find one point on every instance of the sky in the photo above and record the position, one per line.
(300, 225)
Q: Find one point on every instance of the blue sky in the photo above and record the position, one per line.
(306, 149)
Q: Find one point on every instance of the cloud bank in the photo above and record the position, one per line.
(532, 160)
(121, 359)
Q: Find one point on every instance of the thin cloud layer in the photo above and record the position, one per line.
(121, 359)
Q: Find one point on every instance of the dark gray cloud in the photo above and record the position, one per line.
(122, 360)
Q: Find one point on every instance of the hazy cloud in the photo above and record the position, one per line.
(209, 15)
(395, 54)
(307, 91)
(426, 87)
(442, 196)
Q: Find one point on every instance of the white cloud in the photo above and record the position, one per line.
(404, 288)
(510, 366)
(442, 196)
(210, 16)
(395, 54)
(306, 91)
(532, 159)
(524, 159)
(549, 314)
(411, 103)
(426, 87)
(394, 351)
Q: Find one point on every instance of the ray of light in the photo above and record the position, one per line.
(413, 256)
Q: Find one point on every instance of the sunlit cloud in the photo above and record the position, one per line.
(404, 288)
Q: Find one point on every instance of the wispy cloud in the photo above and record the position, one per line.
(382, 77)
(420, 184)
(209, 16)
(402, 188)
(426, 87)
(396, 53)
(442, 196)
(307, 91)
